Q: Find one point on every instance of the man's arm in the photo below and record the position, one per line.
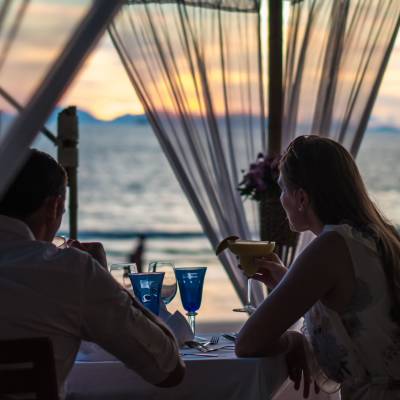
(114, 319)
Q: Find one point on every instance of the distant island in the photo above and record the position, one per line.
(375, 126)
(86, 118)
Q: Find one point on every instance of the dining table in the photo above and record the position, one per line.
(219, 374)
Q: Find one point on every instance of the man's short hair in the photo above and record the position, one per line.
(41, 177)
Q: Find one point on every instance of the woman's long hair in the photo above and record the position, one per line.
(329, 175)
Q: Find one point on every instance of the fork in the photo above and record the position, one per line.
(214, 340)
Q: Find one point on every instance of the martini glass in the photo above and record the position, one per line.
(190, 282)
(246, 250)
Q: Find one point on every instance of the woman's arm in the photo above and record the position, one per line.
(316, 272)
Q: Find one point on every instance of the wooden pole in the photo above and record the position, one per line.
(275, 81)
(68, 137)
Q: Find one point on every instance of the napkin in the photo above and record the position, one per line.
(180, 327)
(178, 324)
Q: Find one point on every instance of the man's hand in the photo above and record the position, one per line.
(175, 377)
(95, 249)
(270, 270)
(298, 365)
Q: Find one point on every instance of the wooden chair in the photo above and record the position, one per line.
(27, 367)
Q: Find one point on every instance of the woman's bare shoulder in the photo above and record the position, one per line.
(328, 254)
(330, 243)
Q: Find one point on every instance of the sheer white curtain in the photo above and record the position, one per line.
(337, 52)
(30, 44)
(42, 47)
(197, 68)
(336, 55)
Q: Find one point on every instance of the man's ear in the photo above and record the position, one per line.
(60, 206)
(54, 207)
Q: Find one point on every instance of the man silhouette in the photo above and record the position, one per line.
(68, 294)
(137, 254)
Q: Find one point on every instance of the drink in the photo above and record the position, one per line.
(169, 286)
(248, 265)
(190, 281)
(168, 292)
(247, 250)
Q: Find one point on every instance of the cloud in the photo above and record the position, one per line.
(102, 86)
(45, 28)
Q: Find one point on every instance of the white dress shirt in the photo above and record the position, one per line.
(66, 295)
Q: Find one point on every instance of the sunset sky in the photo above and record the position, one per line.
(102, 86)
(108, 98)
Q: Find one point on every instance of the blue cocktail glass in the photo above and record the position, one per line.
(190, 282)
(147, 288)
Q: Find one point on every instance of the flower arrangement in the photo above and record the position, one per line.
(261, 178)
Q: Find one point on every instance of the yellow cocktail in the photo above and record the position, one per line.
(246, 250)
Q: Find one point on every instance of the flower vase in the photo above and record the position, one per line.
(274, 226)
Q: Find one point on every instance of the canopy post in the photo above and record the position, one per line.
(275, 78)
(68, 137)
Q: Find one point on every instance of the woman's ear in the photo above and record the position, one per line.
(302, 200)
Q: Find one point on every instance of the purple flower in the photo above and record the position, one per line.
(260, 178)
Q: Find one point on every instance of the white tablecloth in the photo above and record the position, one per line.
(97, 375)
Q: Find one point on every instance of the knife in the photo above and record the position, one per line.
(230, 337)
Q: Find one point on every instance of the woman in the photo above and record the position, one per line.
(346, 282)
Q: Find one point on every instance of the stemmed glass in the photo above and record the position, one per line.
(147, 289)
(248, 307)
(60, 241)
(169, 287)
(121, 271)
(191, 281)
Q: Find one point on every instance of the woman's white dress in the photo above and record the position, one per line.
(359, 349)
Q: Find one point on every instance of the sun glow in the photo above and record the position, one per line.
(102, 87)
(107, 98)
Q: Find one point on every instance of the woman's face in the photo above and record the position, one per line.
(293, 204)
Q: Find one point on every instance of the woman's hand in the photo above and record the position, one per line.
(95, 249)
(298, 363)
(270, 270)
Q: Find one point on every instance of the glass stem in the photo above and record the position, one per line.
(192, 322)
(249, 281)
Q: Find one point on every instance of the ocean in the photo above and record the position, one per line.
(127, 188)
